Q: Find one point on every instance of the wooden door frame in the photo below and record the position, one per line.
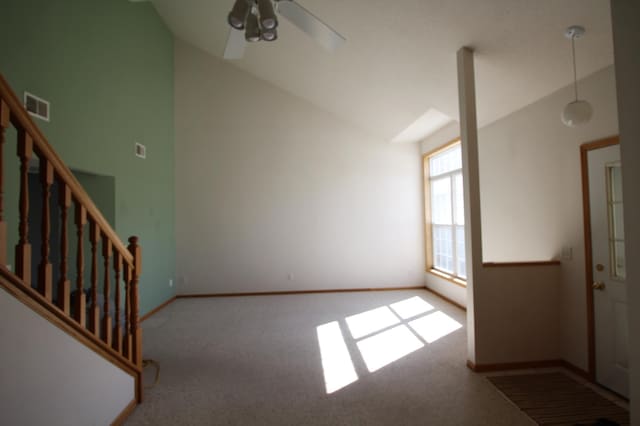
(591, 338)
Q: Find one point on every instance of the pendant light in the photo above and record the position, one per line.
(576, 112)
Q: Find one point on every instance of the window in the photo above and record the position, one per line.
(444, 207)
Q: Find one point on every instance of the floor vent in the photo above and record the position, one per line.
(36, 106)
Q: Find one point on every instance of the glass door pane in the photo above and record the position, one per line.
(616, 221)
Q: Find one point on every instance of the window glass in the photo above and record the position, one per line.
(446, 161)
(460, 247)
(443, 248)
(619, 267)
(441, 201)
(459, 199)
(616, 221)
(616, 183)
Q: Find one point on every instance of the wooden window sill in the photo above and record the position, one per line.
(447, 277)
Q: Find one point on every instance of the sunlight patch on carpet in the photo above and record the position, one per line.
(336, 362)
(371, 321)
(382, 336)
(411, 307)
(434, 326)
(388, 346)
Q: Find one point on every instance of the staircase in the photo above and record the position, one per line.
(93, 297)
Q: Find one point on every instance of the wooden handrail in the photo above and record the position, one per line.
(21, 119)
(122, 343)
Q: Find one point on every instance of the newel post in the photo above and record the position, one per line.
(136, 331)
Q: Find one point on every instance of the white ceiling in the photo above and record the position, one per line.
(400, 57)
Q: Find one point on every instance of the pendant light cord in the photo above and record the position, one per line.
(575, 75)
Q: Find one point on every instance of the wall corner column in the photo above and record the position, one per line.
(626, 43)
(471, 178)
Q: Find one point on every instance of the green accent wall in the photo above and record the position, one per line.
(106, 66)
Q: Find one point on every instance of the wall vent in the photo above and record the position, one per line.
(36, 106)
(141, 150)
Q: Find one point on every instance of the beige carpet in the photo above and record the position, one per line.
(295, 360)
(556, 399)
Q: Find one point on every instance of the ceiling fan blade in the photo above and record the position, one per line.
(310, 24)
(235, 45)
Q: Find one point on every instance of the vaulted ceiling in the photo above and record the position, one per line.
(400, 57)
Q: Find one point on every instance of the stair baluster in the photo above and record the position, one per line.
(45, 269)
(128, 349)
(64, 284)
(80, 302)
(23, 249)
(106, 318)
(94, 310)
(117, 329)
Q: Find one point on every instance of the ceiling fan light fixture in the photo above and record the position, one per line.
(259, 19)
(252, 30)
(270, 35)
(578, 111)
(238, 15)
(268, 18)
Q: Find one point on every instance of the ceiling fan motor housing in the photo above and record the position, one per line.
(259, 20)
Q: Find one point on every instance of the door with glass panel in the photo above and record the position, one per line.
(608, 270)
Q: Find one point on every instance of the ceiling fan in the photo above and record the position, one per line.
(257, 20)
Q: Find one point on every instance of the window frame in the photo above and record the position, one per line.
(428, 225)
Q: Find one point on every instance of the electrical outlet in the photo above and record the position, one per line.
(290, 276)
(170, 283)
(567, 253)
(9, 268)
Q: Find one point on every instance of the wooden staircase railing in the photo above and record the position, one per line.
(112, 327)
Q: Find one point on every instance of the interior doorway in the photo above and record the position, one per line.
(605, 264)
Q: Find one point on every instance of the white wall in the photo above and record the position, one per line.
(531, 195)
(50, 378)
(270, 187)
(626, 34)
